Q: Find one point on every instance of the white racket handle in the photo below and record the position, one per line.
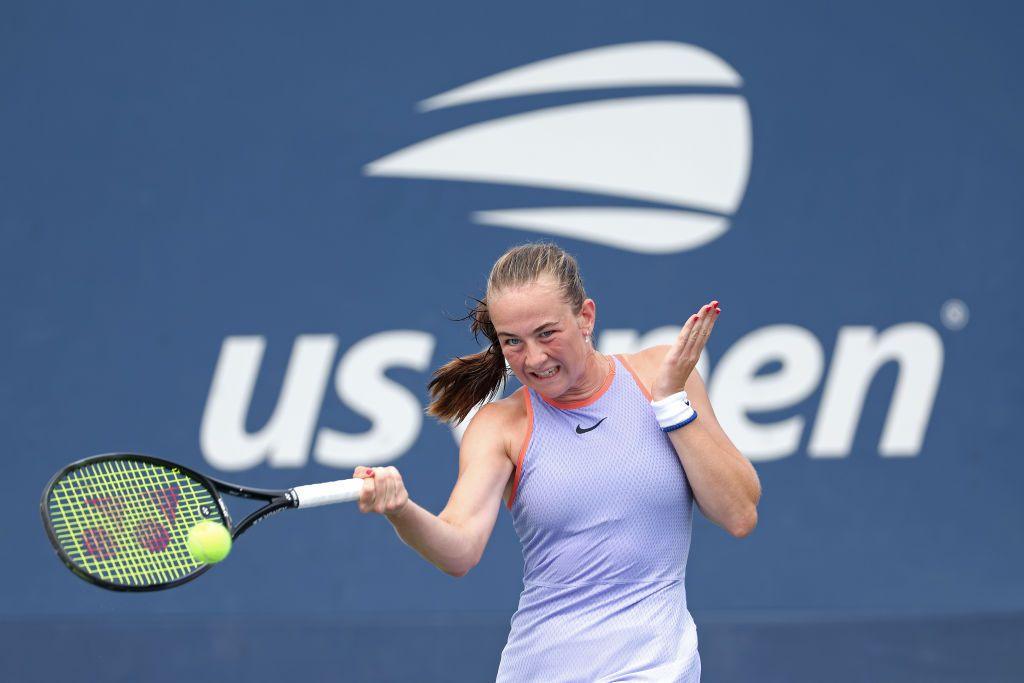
(341, 491)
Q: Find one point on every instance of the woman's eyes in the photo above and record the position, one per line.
(512, 341)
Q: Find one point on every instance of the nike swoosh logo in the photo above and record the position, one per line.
(581, 430)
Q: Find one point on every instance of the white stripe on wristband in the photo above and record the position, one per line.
(673, 411)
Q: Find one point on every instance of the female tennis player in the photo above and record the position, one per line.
(599, 458)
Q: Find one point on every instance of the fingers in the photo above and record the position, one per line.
(397, 496)
(695, 333)
(709, 314)
(701, 319)
(369, 492)
(688, 326)
(383, 490)
(386, 495)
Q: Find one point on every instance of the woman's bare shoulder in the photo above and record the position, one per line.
(505, 419)
(509, 409)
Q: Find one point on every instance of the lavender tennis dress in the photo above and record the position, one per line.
(603, 510)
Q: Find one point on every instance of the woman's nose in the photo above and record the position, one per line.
(535, 358)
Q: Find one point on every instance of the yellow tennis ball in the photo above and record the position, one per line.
(209, 542)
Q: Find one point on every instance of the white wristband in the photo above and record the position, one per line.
(673, 411)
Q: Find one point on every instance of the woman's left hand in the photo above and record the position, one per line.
(685, 352)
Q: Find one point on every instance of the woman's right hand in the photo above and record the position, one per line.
(383, 490)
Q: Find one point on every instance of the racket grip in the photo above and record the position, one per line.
(341, 491)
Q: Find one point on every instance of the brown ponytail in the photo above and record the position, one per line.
(463, 383)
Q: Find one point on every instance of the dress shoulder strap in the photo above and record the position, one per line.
(636, 377)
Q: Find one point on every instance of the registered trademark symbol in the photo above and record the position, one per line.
(954, 314)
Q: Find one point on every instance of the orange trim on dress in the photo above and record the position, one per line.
(586, 401)
(628, 366)
(522, 449)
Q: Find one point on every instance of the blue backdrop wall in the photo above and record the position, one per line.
(234, 235)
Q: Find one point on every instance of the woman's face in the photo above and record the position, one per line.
(541, 338)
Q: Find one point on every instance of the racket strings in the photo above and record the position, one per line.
(127, 522)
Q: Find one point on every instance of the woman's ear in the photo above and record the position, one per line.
(587, 316)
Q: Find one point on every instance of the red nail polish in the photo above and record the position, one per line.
(718, 310)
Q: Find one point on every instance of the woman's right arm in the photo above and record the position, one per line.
(454, 540)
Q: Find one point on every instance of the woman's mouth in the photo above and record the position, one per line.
(547, 374)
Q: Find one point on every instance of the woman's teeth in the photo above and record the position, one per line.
(548, 373)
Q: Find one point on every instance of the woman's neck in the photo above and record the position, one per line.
(598, 367)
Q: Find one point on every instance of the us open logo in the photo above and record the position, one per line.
(659, 174)
(682, 160)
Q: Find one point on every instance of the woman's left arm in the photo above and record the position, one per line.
(724, 483)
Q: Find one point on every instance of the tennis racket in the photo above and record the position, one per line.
(121, 521)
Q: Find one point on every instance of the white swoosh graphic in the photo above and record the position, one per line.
(684, 150)
(645, 231)
(614, 66)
